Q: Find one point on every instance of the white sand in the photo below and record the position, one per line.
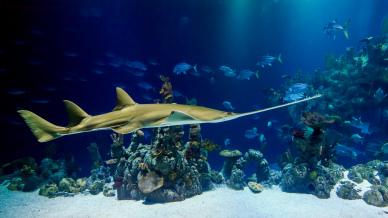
(363, 186)
(222, 202)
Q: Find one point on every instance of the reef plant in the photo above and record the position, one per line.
(95, 155)
(167, 169)
(312, 169)
(166, 90)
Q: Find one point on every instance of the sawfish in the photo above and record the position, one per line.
(129, 116)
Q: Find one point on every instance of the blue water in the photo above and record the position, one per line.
(50, 51)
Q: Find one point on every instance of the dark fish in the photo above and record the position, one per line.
(295, 92)
(98, 71)
(71, 54)
(332, 28)
(49, 88)
(228, 105)
(146, 86)
(177, 94)
(153, 62)
(116, 62)
(35, 61)
(207, 69)
(147, 97)
(228, 72)
(16, 91)
(268, 60)
(40, 101)
(137, 73)
(251, 133)
(367, 40)
(346, 151)
(182, 68)
(138, 65)
(20, 42)
(247, 74)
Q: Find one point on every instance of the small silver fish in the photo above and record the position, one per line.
(228, 105)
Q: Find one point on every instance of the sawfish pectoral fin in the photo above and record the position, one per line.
(179, 116)
(126, 128)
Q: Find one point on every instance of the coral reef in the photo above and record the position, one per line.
(374, 197)
(347, 191)
(108, 191)
(149, 181)
(255, 187)
(352, 85)
(369, 171)
(99, 177)
(234, 164)
(312, 170)
(216, 177)
(49, 190)
(166, 90)
(117, 147)
(231, 157)
(25, 176)
(72, 186)
(95, 155)
(169, 168)
(166, 170)
(300, 178)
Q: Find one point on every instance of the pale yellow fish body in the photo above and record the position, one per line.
(129, 116)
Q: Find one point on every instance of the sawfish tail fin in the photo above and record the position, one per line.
(43, 130)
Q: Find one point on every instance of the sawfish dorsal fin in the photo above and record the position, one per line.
(123, 99)
(177, 116)
(74, 113)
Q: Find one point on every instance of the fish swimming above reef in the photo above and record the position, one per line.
(333, 27)
(183, 67)
(178, 94)
(356, 138)
(379, 95)
(251, 133)
(262, 138)
(367, 40)
(384, 148)
(138, 65)
(228, 105)
(362, 60)
(295, 92)
(247, 74)
(129, 116)
(145, 85)
(137, 73)
(206, 69)
(16, 91)
(227, 142)
(191, 101)
(359, 124)
(228, 72)
(346, 151)
(268, 60)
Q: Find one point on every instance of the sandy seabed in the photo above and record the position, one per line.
(221, 202)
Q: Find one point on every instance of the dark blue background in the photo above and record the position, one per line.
(234, 33)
